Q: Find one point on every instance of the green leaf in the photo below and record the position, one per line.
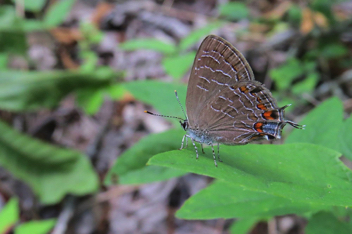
(31, 25)
(331, 51)
(131, 167)
(7, 16)
(323, 125)
(300, 172)
(33, 5)
(279, 28)
(176, 67)
(36, 227)
(310, 66)
(234, 10)
(226, 200)
(326, 223)
(90, 100)
(197, 35)
(9, 215)
(91, 32)
(325, 7)
(150, 174)
(13, 42)
(89, 60)
(149, 44)
(341, 212)
(25, 91)
(295, 15)
(4, 58)
(345, 136)
(307, 85)
(160, 95)
(116, 91)
(243, 226)
(58, 12)
(285, 74)
(283, 100)
(50, 171)
(11, 23)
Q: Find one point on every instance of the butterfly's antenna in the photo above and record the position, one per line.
(166, 116)
(180, 105)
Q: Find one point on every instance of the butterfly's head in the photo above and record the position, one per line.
(184, 124)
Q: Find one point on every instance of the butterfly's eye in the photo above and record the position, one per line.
(184, 125)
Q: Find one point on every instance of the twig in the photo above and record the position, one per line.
(71, 201)
(65, 215)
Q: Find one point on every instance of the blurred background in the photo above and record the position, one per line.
(76, 76)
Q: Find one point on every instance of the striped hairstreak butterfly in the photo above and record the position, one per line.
(224, 104)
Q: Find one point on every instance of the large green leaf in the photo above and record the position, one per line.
(130, 167)
(22, 91)
(36, 227)
(9, 215)
(13, 42)
(323, 125)
(160, 95)
(345, 137)
(51, 172)
(243, 226)
(300, 172)
(10, 22)
(177, 66)
(307, 85)
(234, 10)
(58, 12)
(226, 200)
(149, 174)
(197, 35)
(33, 5)
(333, 50)
(148, 43)
(285, 74)
(326, 223)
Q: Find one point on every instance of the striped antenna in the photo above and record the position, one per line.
(168, 116)
(180, 105)
(165, 116)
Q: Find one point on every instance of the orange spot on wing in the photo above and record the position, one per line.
(267, 115)
(258, 127)
(244, 89)
(261, 106)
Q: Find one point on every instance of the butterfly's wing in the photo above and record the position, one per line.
(217, 63)
(241, 113)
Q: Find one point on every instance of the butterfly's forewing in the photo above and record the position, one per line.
(217, 63)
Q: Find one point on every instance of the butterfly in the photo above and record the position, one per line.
(224, 104)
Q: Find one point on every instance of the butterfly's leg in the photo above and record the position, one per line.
(202, 149)
(183, 140)
(212, 147)
(219, 153)
(195, 147)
